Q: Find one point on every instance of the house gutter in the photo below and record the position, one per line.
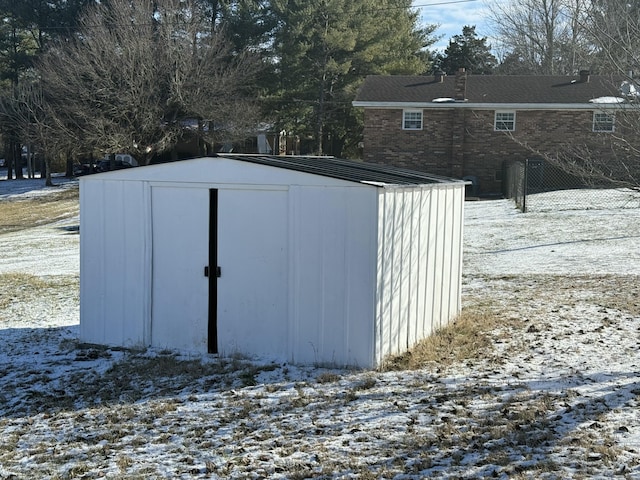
(497, 106)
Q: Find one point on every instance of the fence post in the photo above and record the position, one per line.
(525, 187)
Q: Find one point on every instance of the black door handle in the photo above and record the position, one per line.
(218, 271)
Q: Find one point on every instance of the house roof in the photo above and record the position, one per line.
(486, 90)
(349, 170)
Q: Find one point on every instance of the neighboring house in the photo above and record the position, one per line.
(299, 259)
(468, 126)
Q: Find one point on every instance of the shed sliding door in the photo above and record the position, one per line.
(240, 235)
(180, 290)
(253, 257)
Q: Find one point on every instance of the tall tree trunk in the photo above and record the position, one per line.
(17, 155)
(69, 169)
(9, 158)
(47, 165)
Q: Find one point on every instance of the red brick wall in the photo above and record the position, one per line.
(461, 142)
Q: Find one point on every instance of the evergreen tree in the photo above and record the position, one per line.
(323, 49)
(248, 23)
(469, 52)
(25, 29)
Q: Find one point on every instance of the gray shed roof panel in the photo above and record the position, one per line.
(349, 170)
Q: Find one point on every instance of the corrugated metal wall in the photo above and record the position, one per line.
(114, 259)
(419, 264)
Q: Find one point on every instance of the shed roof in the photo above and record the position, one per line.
(488, 89)
(349, 170)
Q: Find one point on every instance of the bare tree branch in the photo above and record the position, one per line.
(139, 75)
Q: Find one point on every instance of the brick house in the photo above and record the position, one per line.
(468, 126)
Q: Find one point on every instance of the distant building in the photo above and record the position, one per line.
(468, 126)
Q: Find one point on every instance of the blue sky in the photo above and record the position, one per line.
(452, 15)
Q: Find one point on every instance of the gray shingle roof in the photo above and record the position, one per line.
(349, 170)
(507, 89)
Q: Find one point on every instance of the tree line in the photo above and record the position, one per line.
(81, 77)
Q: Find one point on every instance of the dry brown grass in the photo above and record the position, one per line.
(21, 214)
(464, 338)
(21, 287)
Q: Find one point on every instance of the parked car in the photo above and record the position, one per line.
(105, 165)
(121, 161)
(85, 167)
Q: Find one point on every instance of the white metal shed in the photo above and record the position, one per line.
(299, 259)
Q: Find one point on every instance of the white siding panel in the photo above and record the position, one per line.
(437, 248)
(333, 275)
(92, 280)
(386, 296)
(132, 246)
(112, 223)
(424, 261)
(418, 269)
(457, 226)
(447, 255)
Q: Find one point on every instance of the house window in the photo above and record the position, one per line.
(412, 119)
(603, 122)
(505, 121)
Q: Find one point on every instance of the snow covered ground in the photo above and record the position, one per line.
(556, 397)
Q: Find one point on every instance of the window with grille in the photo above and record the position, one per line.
(603, 122)
(505, 121)
(412, 119)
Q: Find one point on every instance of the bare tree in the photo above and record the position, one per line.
(613, 27)
(562, 37)
(609, 159)
(30, 114)
(613, 31)
(140, 76)
(541, 36)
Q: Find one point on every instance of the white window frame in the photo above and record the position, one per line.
(411, 123)
(604, 122)
(500, 124)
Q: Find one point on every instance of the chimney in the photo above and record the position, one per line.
(439, 76)
(461, 85)
(584, 76)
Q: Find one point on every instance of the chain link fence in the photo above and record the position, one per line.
(537, 186)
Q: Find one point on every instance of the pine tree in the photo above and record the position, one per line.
(323, 49)
(469, 52)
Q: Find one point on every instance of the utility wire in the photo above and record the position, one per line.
(423, 5)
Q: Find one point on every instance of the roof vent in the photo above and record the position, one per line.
(439, 76)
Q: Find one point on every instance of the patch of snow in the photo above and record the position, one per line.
(32, 187)
(605, 100)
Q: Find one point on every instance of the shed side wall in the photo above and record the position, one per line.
(419, 264)
(112, 222)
